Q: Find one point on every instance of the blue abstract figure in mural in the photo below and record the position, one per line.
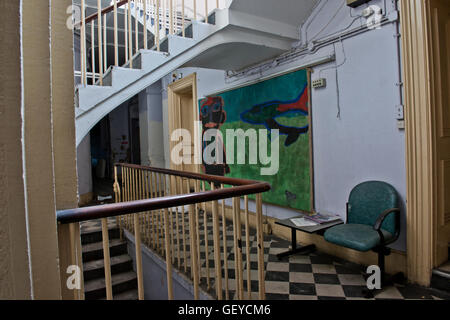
(266, 114)
(213, 116)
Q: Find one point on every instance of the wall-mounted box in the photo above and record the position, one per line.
(319, 83)
(356, 3)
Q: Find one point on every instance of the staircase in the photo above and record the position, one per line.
(245, 33)
(124, 279)
(441, 276)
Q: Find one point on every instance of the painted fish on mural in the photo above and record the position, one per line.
(266, 114)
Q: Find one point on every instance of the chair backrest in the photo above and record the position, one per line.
(368, 200)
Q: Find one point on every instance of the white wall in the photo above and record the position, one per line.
(364, 143)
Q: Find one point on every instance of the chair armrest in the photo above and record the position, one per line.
(380, 220)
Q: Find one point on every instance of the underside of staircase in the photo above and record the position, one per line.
(233, 38)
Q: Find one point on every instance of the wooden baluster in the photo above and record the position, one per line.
(195, 9)
(184, 224)
(130, 36)
(166, 18)
(216, 236)
(152, 195)
(175, 14)
(205, 230)
(140, 277)
(157, 21)
(106, 259)
(136, 26)
(130, 196)
(127, 193)
(217, 4)
(225, 248)
(157, 223)
(247, 245)
(145, 26)
(147, 214)
(237, 248)
(117, 199)
(241, 267)
(93, 51)
(183, 19)
(150, 217)
(99, 29)
(105, 44)
(161, 226)
(197, 227)
(125, 34)
(116, 37)
(206, 11)
(235, 243)
(172, 236)
(178, 186)
(141, 195)
(122, 199)
(83, 65)
(134, 198)
(259, 235)
(194, 248)
(168, 255)
(170, 16)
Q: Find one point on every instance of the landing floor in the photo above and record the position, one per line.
(314, 276)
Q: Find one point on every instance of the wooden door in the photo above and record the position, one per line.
(183, 112)
(440, 44)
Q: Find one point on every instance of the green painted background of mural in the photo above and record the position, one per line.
(294, 171)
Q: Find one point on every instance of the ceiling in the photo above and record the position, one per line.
(292, 12)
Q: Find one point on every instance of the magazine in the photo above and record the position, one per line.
(322, 218)
(302, 222)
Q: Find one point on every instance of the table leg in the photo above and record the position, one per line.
(294, 248)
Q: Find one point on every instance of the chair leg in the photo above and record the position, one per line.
(386, 281)
(382, 265)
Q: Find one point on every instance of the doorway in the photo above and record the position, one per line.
(426, 65)
(440, 100)
(183, 113)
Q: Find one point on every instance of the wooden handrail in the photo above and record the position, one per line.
(241, 187)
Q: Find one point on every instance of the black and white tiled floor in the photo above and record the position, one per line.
(314, 276)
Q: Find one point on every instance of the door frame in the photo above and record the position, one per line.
(422, 164)
(185, 85)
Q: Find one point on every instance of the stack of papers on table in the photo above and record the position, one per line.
(302, 222)
(322, 218)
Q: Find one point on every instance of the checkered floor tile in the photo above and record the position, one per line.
(315, 276)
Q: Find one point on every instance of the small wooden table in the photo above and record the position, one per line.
(317, 229)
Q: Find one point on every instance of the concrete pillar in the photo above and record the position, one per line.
(64, 142)
(37, 149)
(151, 125)
(14, 263)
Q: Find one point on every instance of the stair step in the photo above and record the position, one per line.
(122, 282)
(95, 269)
(127, 295)
(440, 278)
(96, 236)
(94, 251)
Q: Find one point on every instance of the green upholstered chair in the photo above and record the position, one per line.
(373, 221)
